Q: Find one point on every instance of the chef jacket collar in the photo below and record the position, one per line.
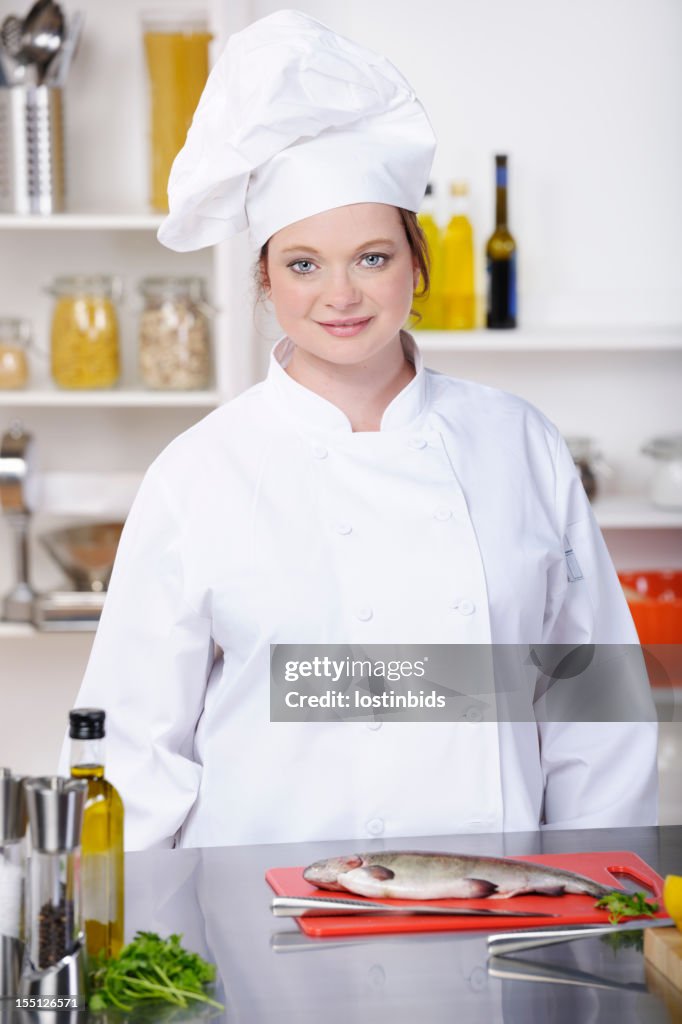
(319, 413)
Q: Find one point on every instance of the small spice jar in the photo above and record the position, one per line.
(666, 485)
(15, 339)
(588, 463)
(85, 337)
(175, 334)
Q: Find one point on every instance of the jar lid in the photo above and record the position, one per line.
(173, 287)
(83, 284)
(185, 22)
(667, 447)
(14, 331)
(580, 447)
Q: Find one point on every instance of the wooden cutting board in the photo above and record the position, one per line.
(663, 949)
(603, 866)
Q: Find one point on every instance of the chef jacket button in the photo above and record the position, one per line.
(375, 827)
(465, 607)
(364, 614)
(374, 725)
(417, 442)
(344, 528)
(442, 514)
(478, 979)
(319, 451)
(377, 976)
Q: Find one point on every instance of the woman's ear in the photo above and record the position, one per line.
(264, 277)
(416, 274)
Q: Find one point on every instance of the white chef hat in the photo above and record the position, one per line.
(294, 120)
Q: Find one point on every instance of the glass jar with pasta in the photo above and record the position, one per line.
(174, 351)
(176, 51)
(85, 337)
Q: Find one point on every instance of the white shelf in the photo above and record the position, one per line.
(547, 339)
(122, 399)
(16, 630)
(84, 221)
(634, 512)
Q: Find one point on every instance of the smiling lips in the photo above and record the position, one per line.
(346, 328)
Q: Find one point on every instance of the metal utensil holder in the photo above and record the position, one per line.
(31, 150)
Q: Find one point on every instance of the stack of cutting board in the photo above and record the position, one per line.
(663, 951)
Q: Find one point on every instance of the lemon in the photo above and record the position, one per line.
(672, 898)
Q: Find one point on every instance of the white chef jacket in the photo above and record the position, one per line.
(270, 521)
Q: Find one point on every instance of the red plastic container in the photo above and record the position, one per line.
(655, 601)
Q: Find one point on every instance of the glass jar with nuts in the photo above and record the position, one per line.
(174, 351)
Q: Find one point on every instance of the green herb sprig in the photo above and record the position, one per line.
(626, 904)
(150, 968)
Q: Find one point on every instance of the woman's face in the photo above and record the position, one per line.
(342, 281)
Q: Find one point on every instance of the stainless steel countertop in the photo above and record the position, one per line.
(270, 972)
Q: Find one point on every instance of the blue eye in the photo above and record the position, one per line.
(374, 259)
(302, 266)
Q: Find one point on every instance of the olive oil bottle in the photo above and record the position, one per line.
(102, 836)
(459, 292)
(501, 258)
(430, 306)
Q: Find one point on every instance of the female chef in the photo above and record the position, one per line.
(353, 497)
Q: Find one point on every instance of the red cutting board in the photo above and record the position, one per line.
(602, 867)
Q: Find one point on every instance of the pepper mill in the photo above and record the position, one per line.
(12, 874)
(54, 954)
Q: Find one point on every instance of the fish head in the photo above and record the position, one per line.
(325, 873)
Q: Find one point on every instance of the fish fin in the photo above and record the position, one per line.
(480, 888)
(550, 890)
(379, 872)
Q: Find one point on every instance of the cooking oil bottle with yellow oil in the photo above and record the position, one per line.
(429, 306)
(459, 293)
(102, 836)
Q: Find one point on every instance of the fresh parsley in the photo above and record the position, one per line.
(626, 904)
(150, 968)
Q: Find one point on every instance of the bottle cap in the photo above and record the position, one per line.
(86, 724)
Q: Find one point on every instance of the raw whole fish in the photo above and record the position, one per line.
(414, 875)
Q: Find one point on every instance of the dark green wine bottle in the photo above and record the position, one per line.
(501, 258)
